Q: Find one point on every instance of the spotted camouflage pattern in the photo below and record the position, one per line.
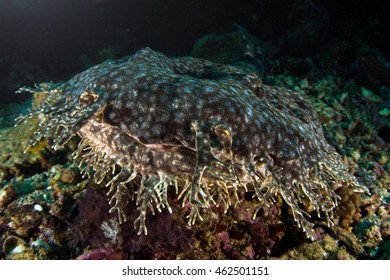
(149, 123)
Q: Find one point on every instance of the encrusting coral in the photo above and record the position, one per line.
(149, 124)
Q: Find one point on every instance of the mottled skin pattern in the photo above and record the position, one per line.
(149, 123)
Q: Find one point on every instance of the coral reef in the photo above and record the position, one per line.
(363, 220)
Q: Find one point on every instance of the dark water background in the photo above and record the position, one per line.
(55, 39)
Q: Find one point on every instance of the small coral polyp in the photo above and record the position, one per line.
(149, 123)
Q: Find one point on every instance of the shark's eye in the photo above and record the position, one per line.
(221, 136)
(88, 98)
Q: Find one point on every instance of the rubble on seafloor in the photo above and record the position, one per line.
(48, 211)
